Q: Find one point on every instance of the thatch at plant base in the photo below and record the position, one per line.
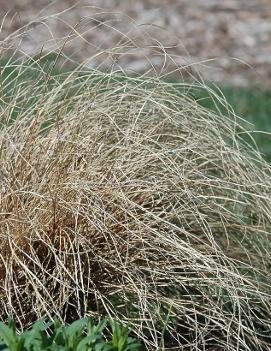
(123, 197)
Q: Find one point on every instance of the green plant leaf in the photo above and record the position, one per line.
(9, 336)
(86, 344)
(103, 347)
(36, 338)
(74, 333)
(3, 346)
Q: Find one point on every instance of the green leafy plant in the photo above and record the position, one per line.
(81, 335)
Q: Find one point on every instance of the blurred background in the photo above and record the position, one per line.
(226, 42)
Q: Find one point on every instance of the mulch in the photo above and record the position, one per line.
(228, 42)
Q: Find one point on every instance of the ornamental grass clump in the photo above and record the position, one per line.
(121, 196)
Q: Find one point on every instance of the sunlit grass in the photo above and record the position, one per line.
(123, 197)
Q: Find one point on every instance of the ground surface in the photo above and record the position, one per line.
(235, 33)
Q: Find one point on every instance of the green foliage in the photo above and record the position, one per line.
(253, 104)
(81, 335)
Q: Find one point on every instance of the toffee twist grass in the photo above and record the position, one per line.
(123, 197)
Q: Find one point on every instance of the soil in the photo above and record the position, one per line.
(227, 41)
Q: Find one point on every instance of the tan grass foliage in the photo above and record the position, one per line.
(121, 196)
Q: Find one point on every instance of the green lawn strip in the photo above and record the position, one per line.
(253, 104)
